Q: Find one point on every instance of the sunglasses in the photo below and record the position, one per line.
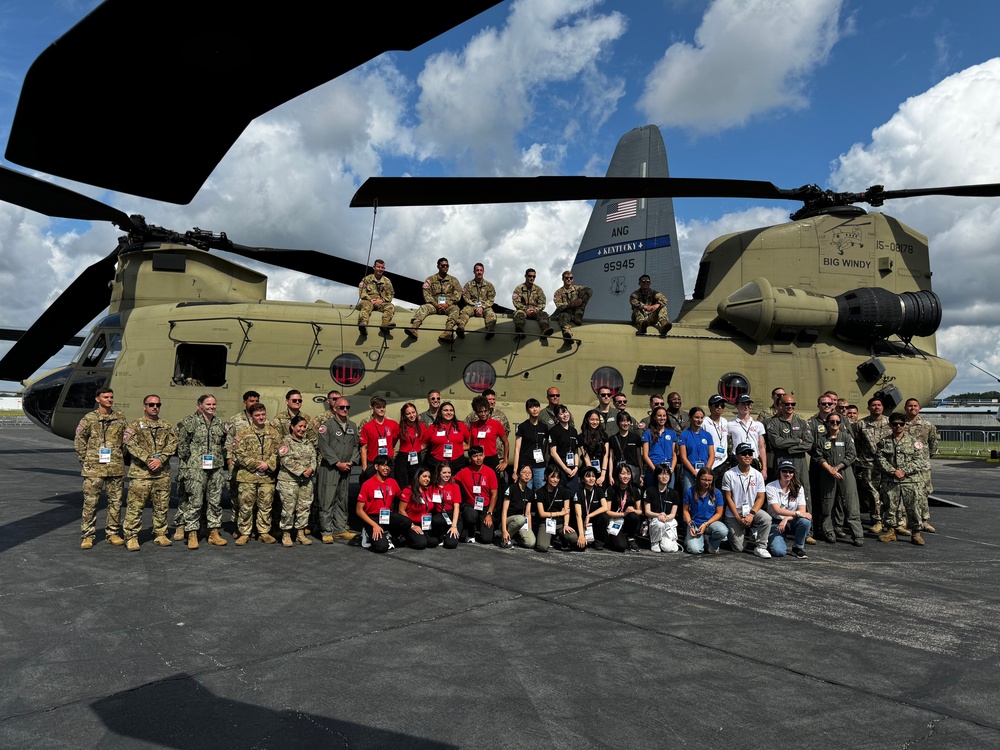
(897, 424)
(295, 400)
(788, 471)
(153, 405)
(788, 403)
(834, 421)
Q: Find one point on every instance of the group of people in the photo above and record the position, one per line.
(444, 295)
(671, 479)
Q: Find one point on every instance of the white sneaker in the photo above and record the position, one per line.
(761, 552)
(366, 541)
(471, 540)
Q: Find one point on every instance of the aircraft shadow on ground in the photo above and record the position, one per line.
(65, 509)
(196, 717)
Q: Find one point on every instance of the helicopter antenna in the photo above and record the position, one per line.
(986, 371)
(371, 240)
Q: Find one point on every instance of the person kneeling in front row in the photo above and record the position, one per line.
(703, 506)
(381, 522)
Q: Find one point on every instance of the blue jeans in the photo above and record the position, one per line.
(800, 527)
(537, 478)
(716, 533)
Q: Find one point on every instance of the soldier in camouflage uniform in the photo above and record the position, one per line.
(98, 444)
(255, 456)
(442, 292)
(529, 302)
(375, 292)
(903, 497)
(293, 408)
(649, 308)
(925, 436)
(150, 442)
(296, 466)
(201, 440)
(868, 432)
(479, 296)
(235, 424)
(571, 302)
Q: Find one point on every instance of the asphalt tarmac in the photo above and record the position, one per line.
(886, 646)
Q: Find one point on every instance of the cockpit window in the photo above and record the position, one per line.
(103, 351)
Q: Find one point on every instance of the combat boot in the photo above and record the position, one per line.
(301, 538)
(162, 541)
(928, 528)
(115, 540)
(460, 330)
(267, 538)
(193, 540)
(518, 334)
(902, 531)
(132, 545)
(665, 330)
(242, 540)
(876, 528)
(888, 536)
(490, 333)
(286, 539)
(446, 336)
(86, 543)
(362, 329)
(179, 533)
(327, 539)
(915, 538)
(214, 537)
(412, 330)
(548, 331)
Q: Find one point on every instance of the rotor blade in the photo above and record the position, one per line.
(167, 86)
(991, 190)
(330, 267)
(73, 309)
(443, 191)
(45, 198)
(16, 334)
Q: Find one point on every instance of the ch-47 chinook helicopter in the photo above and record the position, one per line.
(838, 298)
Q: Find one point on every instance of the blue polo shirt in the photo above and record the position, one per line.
(701, 509)
(698, 444)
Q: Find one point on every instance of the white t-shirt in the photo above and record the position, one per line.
(741, 432)
(781, 499)
(743, 488)
(720, 434)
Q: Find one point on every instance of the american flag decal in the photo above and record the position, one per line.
(622, 210)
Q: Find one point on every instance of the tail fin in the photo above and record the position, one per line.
(627, 238)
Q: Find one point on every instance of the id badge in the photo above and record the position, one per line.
(477, 490)
(448, 448)
(447, 520)
(425, 522)
(550, 526)
(208, 461)
(537, 455)
(378, 494)
(383, 451)
(383, 517)
(588, 533)
(596, 464)
(699, 465)
(412, 458)
(442, 299)
(481, 435)
(383, 447)
(436, 499)
(480, 505)
(103, 455)
(614, 526)
(570, 460)
(745, 509)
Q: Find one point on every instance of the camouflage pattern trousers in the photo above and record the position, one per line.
(903, 503)
(868, 491)
(92, 487)
(157, 491)
(203, 492)
(255, 496)
(296, 501)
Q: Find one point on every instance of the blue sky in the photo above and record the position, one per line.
(840, 93)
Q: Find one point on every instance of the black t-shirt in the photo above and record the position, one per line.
(532, 436)
(552, 501)
(589, 500)
(627, 449)
(517, 499)
(619, 500)
(565, 440)
(661, 502)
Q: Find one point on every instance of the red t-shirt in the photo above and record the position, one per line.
(373, 432)
(470, 478)
(436, 437)
(419, 504)
(376, 495)
(450, 496)
(411, 438)
(486, 434)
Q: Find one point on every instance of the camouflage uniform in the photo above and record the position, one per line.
(925, 437)
(256, 489)
(566, 315)
(295, 456)
(197, 439)
(94, 432)
(641, 319)
(476, 295)
(145, 440)
(525, 297)
(371, 288)
(867, 434)
(902, 498)
(436, 289)
(283, 424)
(234, 425)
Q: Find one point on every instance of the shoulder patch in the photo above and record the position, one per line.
(127, 436)
(283, 450)
(321, 429)
(427, 285)
(361, 285)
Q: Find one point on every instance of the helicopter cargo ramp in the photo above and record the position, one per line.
(889, 645)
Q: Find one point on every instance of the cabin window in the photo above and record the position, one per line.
(104, 351)
(733, 384)
(479, 376)
(607, 377)
(347, 369)
(83, 390)
(203, 365)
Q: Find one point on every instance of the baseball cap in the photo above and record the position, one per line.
(744, 398)
(744, 448)
(786, 464)
(715, 400)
